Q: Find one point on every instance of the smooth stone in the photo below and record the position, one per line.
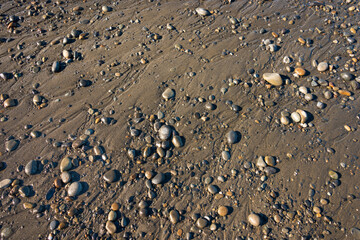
(111, 176)
(202, 223)
(159, 178)
(29, 205)
(202, 11)
(270, 170)
(11, 145)
(58, 183)
(174, 216)
(285, 120)
(165, 132)
(5, 183)
(322, 67)
(254, 219)
(65, 177)
(124, 221)
(106, 8)
(6, 232)
(271, 161)
(54, 224)
(149, 174)
(233, 137)
(31, 167)
(24, 191)
(177, 141)
(355, 232)
(65, 164)
(347, 76)
(98, 150)
(273, 78)
(55, 67)
(10, 103)
(300, 71)
(225, 155)
(303, 90)
(110, 227)
(213, 189)
(295, 117)
(355, 85)
(75, 189)
(112, 216)
(168, 94)
(260, 162)
(334, 175)
(223, 211)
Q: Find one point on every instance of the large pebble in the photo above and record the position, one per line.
(65, 177)
(223, 211)
(75, 189)
(10, 103)
(213, 189)
(254, 219)
(5, 183)
(202, 11)
(65, 164)
(165, 132)
(202, 223)
(174, 216)
(110, 227)
(159, 178)
(322, 67)
(233, 137)
(177, 141)
(168, 94)
(55, 67)
(111, 176)
(11, 145)
(273, 78)
(31, 167)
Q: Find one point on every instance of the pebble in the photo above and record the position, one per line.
(270, 170)
(75, 189)
(165, 132)
(5, 183)
(6, 232)
(11, 145)
(54, 224)
(300, 71)
(334, 175)
(202, 11)
(177, 141)
(174, 216)
(271, 161)
(168, 94)
(31, 167)
(159, 178)
(273, 78)
(223, 211)
(110, 227)
(65, 177)
(112, 216)
(10, 103)
(202, 223)
(295, 117)
(254, 219)
(225, 155)
(65, 164)
(347, 76)
(285, 120)
(115, 207)
(261, 162)
(322, 67)
(233, 137)
(55, 68)
(58, 183)
(24, 191)
(213, 189)
(111, 176)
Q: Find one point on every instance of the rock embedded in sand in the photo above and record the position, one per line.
(232, 137)
(168, 94)
(75, 189)
(273, 78)
(322, 67)
(223, 211)
(11, 145)
(174, 216)
(202, 11)
(333, 175)
(5, 183)
(31, 167)
(65, 164)
(254, 219)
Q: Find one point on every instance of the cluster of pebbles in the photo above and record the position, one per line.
(171, 120)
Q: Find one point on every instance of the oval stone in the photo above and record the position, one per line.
(31, 167)
(75, 189)
(202, 223)
(110, 227)
(5, 183)
(11, 145)
(177, 141)
(202, 11)
(165, 132)
(111, 176)
(233, 137)
(158, 179)
(273, 78)
(322, 67)
(174, 216)
(10, 103)
(213, 189)
(65, 177)
(65, 164)
(254, 219)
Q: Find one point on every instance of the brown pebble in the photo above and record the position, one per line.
(223, 211)
(115, 207)
(58, 183)
(300, 71)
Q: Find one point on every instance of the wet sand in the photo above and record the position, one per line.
(104, 104)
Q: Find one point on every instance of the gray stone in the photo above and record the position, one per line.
(65, 164)
(159, 178)
(233, 137)
(75, 189)
(174, 216)
(31, 167)
(165, 132)
(11, 145)
(213, 189)
(111, 176)
(5, 183)
(65, 177)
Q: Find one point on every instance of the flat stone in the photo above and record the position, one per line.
(174, 216)
(5, 183)
(202, 11)
(75, 189)
(159, 178)
(225, 155)
(31, 167)
(65, 164)
(273, 78)
(110, 227)
(11, 145)
(111, 176)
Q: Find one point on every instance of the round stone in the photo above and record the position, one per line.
(55, 67)
(110, 227)
(285, 120)
(300, 71)
(177, 141)
(174, 216)
(58, 183)
(158, 179)
(75, 189)
(11, 145)
(233, 137)
(254, 219)
(271, 161)
(54, 224)
(111, 176)
(115, 207)
(165, 132)
(223, 211)
(213, 189)
(31, 167)
(149, 174)
(5, 183)
(65, 164)
(202, 223)
(347, 76)
(273, 78)
(225, 155)
(270, 170)
(322, 67)
(65, 177)
(168, 94)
